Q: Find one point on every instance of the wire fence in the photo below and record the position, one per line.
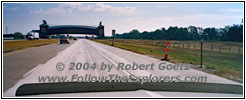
(220, 47)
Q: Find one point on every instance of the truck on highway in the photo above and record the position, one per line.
(33, 35)
(64, 40)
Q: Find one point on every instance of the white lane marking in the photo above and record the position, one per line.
(30, 71)
(119, 58)
(36, 67)
(89, 55)
(110, 60)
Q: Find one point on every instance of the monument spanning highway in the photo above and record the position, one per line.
(83, 51)
(46, 30)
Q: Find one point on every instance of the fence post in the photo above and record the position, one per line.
(194, 46)
(238, 52)
(220, 49)
(230, 49)
(183, 45)
(189, 45)
(211, 48)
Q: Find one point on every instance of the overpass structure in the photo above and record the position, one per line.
(46, 30)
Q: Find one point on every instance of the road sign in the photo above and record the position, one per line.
(113, 33)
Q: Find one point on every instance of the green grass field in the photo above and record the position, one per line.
(225, 64)
(9, 46)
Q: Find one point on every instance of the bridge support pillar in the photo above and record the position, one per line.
(43, 30)
(101, 32)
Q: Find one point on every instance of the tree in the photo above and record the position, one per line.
(134, 34)
(145, 35)
(235, 33)
(158, 34)
(18, 35)
(175, 33)
(183, 34)
(228, 33)
(172, 33)
(193, 33)
(212, 33)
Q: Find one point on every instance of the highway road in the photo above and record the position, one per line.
(92, 52)
(17, 63)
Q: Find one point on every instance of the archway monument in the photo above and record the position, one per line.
(46, 30)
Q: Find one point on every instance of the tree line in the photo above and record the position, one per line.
(228, 33)
(16, 35)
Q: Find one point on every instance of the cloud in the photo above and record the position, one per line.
(203, 20)
(153, 23)
(11, 8)
(69, 5)
(101, 8)
(68, 8)
(230, 10)
(54, 11)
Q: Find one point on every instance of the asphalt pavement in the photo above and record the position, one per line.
(17, 63)
(85, 51)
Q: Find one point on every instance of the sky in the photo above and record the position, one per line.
(123, 17)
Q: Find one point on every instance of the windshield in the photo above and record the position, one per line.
(144, 49)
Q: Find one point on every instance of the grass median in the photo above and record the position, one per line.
(227, 65)
(9, 46)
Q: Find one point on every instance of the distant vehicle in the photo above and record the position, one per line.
(74, 38)
(8, 36)
(32, 35)
(64, 40)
